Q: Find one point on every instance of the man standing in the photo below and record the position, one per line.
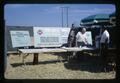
(71, 38)
(105, 39)
(81, 39)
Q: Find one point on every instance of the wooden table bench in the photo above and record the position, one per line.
(26, 52)
(74, 50)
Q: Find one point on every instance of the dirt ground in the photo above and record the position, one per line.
(50, 67)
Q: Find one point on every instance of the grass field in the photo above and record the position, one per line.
(50, 67)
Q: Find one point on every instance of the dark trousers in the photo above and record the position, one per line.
(80, 55)
(71, 42)
(80, 44)
(104, 53)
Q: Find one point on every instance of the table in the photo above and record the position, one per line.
(74, 50)
(26, 52)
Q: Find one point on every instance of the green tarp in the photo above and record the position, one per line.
(95, 19)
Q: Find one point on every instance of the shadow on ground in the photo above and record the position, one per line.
(86, 63)
(89, 63)
(41, 62)
(61, 54)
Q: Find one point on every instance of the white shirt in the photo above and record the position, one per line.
(81, 37)
(104, 36)
(72, 33)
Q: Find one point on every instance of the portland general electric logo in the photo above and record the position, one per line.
(40, 32)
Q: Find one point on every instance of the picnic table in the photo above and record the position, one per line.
(25, 52)
(35, 52)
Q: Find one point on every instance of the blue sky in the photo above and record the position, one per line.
(49, 15)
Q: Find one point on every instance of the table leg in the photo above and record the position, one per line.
(35, 59)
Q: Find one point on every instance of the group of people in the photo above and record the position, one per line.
(79, 39)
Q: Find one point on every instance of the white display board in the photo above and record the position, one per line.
(20, 38)
(53, 36)
(64, 33)
(50, 36)
(89, 37)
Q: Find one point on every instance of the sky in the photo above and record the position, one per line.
(50, 15)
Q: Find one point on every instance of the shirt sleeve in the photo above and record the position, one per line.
(77, 35)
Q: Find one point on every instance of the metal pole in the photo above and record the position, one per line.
(67, 15)
(62, 16)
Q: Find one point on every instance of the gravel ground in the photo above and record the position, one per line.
(50, 67)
